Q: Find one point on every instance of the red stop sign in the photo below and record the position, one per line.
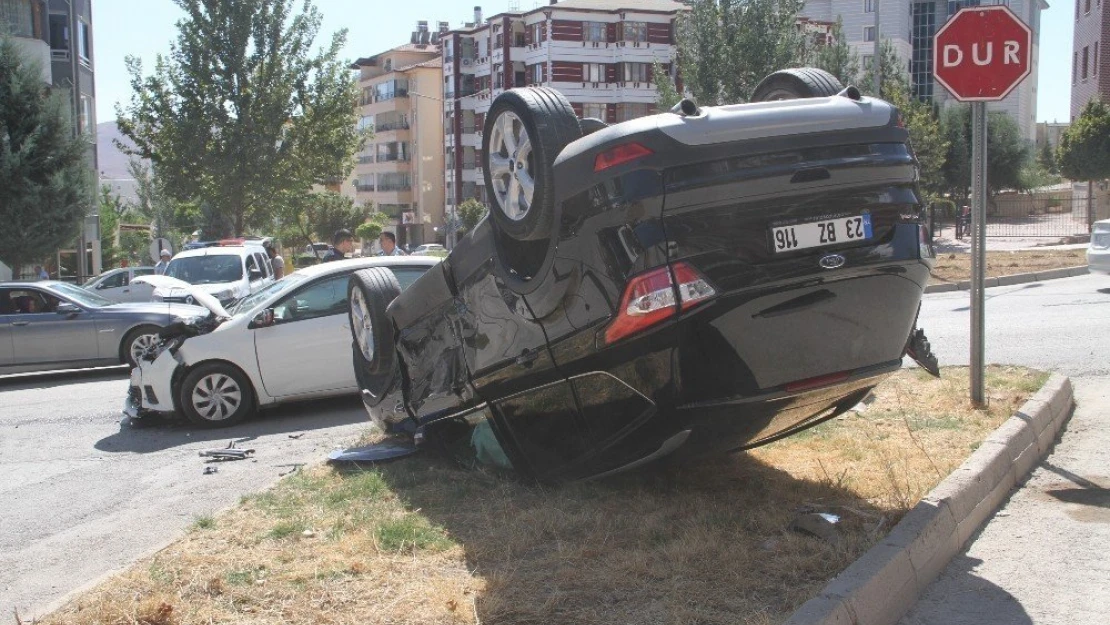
(982, 53)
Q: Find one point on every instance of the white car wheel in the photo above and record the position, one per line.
(362, 324)
(216, 397)
(511, 166)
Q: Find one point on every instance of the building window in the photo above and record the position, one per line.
(84, 46)
(1086, 60)
(1086, 6)
(955, 5)
(59, 32)
(1095, 61)
(498, 75)
(394, 181)
(635, 31)
(594, 31)
(1074, 66)
(866, 61)
(16, 18)
(921, 59)
(593, 109)
(537, 32)
(593, 72)
(87, 120)
(637, 72)
(869, 33)
(390, 89)
(868, 6)
(539, 73)
(630, 110)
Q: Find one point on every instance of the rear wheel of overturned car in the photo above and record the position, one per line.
(370, 291)
(525, 131)
(216, 395)
(798, 82)
(136, 343)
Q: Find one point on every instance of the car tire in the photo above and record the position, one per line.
(799, 82)
(135, 342)
(545, 118)
(216, 395)
(370, 291)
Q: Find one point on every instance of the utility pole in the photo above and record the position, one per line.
(876, 60)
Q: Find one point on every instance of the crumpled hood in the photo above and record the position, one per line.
(172, 287)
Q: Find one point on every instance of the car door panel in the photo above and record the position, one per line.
(48, 337)
(5, 341)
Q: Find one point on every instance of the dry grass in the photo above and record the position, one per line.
(955, 267)
(420, 541)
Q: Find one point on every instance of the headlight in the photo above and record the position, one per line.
(225, 295)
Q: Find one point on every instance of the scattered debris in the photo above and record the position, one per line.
(389, 449)
(211, 470)
(819, 524)
(297, 435)
(308, 533)
(231, 452)
(293, 468)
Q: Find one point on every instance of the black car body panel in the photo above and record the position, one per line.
(789, 338)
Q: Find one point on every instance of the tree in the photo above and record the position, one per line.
(45, 180)
(1046, 158)
(1007, 152)
(836, 57)
(317, 216)
(371, 229)
(471, 211)
(1084, 152)
(893, 70)
(109, 207)
(725, 47)
(666, 94)
(930, 145)
(242, 117)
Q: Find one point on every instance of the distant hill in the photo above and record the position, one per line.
(112, 162)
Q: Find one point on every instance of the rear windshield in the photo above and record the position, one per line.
(206, 269)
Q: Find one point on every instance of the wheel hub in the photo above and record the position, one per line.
(508, 162)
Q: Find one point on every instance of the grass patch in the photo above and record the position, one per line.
(421, 541)
(204, 523)
(956, 267)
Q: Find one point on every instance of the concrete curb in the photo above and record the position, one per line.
(880, 587)
(1017, 278)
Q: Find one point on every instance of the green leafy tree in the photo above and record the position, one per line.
(1046, 158)
(471, 211)
(1007, 152)
(46, 184)
(110, 209)
(725, 47)
(242, 117)
(317, 216)
(666, 94)
(930, 145)
(836, 57)
(1084, 152)
(894, 73)
(372, 228)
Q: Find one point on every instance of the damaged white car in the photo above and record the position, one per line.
(288, 342)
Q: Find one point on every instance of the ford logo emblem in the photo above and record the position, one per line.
(832, 261)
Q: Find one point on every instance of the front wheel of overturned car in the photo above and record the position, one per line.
(136, 343)
(216, 395)
(794, 83)
(525, 131)
(370, 291)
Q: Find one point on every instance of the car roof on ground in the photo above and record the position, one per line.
(368, 261)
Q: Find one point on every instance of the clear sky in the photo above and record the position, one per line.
(145, 28)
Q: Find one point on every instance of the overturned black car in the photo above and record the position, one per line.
(701, 280)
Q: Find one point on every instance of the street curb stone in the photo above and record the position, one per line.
(884, 583)
(1017, 278)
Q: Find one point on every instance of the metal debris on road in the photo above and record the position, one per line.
(231, 452)
(211, 470)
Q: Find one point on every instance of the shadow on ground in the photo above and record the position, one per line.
(962, 597)
(59, 379)
(681, 541)
(152, 434)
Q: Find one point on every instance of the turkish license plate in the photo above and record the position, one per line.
(821, 233)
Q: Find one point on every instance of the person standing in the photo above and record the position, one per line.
(41, 273)
(388, 241)
(342, 244)
(160, 268)
(277, 263)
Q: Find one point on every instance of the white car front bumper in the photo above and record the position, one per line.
(151, 387)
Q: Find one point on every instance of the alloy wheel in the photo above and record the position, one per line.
(216, 396)
(141, 344)
(363, 325)
(511, 166)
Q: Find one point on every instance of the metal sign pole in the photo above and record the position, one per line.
(978, 247)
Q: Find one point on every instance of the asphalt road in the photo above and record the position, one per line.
(85, 493)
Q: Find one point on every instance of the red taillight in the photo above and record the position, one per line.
(619, 155)
(649, 299)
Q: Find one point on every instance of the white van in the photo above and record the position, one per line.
(227, 272)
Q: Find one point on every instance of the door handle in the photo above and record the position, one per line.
(21, 323)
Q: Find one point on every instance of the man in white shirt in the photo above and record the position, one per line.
(388, 241)
(160, 268)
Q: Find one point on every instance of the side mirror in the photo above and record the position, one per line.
(65, 308)
(256, 274)
(100, 286)
(263, 319)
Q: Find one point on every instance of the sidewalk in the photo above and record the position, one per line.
(1042, 558)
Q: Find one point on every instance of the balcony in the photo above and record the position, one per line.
(363, 187)
(363, 160)
(398, 187)
(39, 51)
(391, 126)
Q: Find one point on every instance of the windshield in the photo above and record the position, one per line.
(212, 269)
(93, 279)
(81, 296)
(251, 301)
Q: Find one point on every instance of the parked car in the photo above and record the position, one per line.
(702, 280)
(226, 271)
(287, 342)
(1098, 251)
(426, 248)
(56, 325)
(115, 284)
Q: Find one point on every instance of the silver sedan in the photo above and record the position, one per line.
(56, 325)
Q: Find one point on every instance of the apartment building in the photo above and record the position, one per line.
(910, 25)
(1089, 60)
(598, 53)
(400, 170)
(58, 35)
